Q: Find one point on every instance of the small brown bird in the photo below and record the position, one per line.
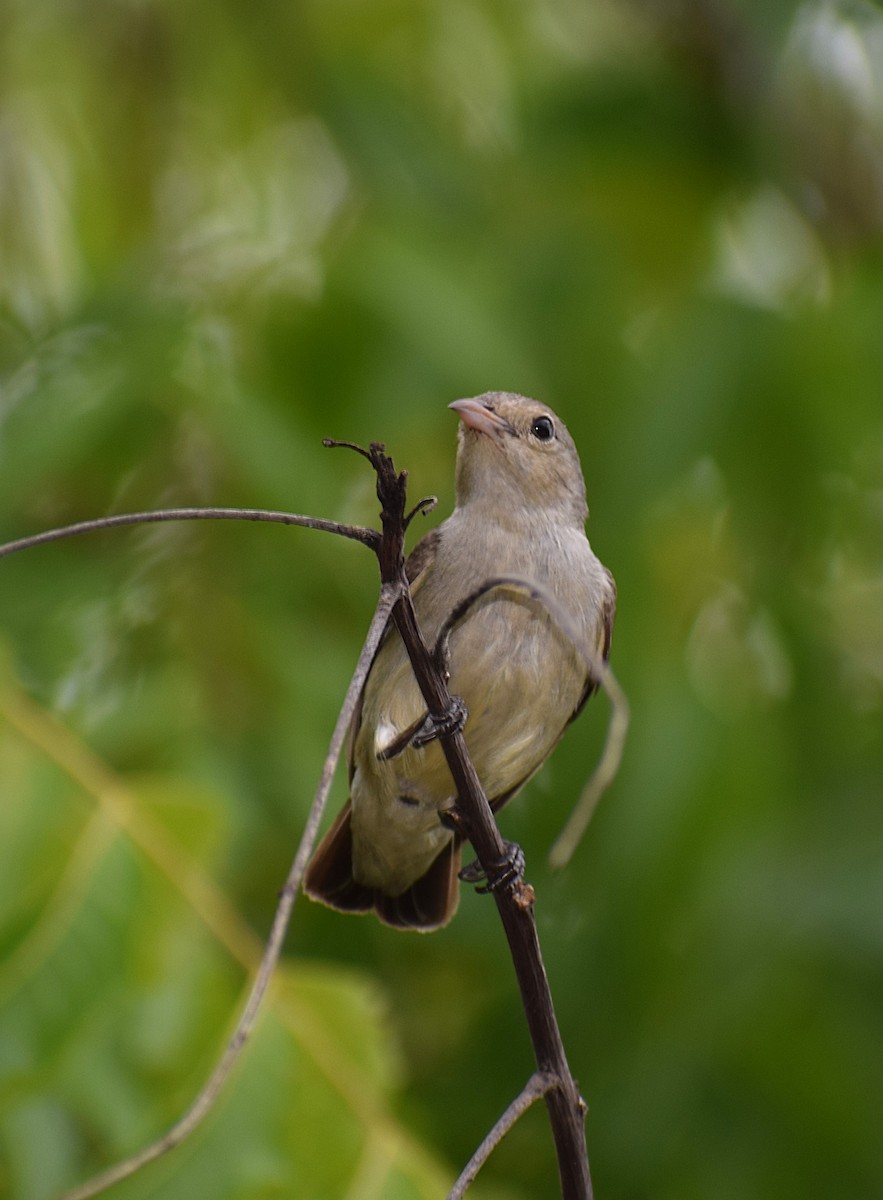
(520, 512)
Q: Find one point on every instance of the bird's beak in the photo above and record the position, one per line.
(476, 415)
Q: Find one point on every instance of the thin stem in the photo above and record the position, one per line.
(535, 591)
(536, 1087)
(369, 537)
(421, 508)
(566, 1107)
(206, 1098)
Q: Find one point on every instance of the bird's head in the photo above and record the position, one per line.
(516, 454)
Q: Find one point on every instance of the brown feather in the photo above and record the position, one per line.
(329, 876)
(429, 903)
(426, 905)
(421, 556)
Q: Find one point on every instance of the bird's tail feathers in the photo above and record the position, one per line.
(427, 904)
(329, 876)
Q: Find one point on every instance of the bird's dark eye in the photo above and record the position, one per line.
(543, 429)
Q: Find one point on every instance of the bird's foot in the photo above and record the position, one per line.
(450, 721)
(427, 729)
(507, 872)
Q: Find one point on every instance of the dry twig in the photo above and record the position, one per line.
(535, 1088)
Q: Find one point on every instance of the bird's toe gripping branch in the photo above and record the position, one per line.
(506, 873)
(427, 729)
(452, 720)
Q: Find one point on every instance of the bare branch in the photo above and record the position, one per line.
(421, 508)
(203, 1103)
(566, 1106)
(369, 537)
(536, 1087)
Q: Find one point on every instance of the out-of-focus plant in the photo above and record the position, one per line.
(225, 233)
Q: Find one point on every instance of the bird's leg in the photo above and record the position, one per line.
(507, 872)
(426, 729)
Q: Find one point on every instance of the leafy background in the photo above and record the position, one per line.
(228, 230)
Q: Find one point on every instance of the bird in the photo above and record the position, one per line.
(520, 513)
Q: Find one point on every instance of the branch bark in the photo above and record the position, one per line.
(368, 537)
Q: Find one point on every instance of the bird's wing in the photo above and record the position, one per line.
(608, 615)
(421, 558)
(608, 612)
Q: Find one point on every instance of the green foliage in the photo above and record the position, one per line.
(227, 231)
(123, 964)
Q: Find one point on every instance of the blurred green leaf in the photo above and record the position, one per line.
(123, 967)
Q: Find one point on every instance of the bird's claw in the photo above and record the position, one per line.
(450, 721)
(507, 872)
(427, 729)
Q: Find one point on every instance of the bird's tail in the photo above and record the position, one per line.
(427, 904)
